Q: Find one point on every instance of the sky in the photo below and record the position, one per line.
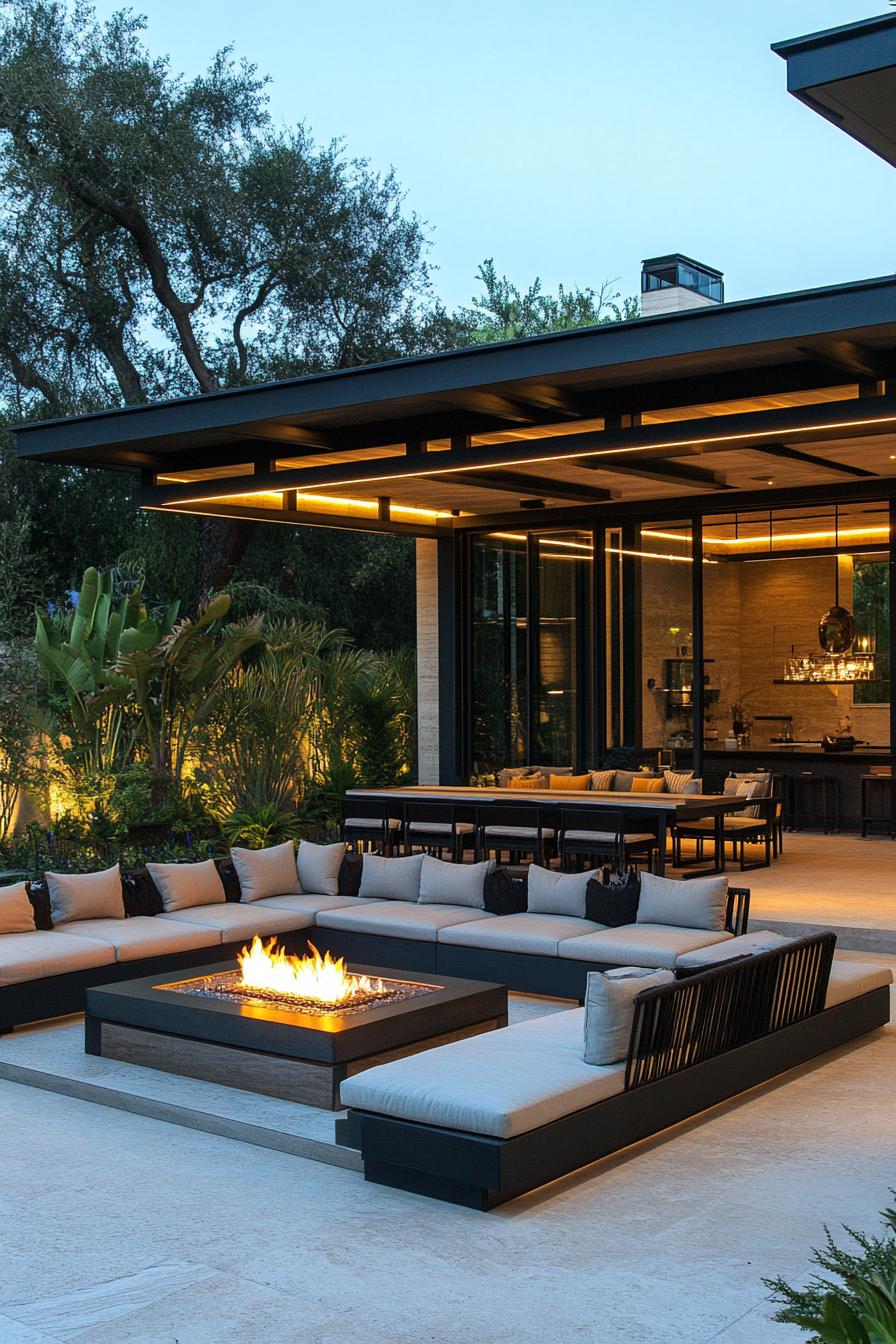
(571, 139)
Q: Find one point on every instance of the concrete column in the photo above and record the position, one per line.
(427, 661)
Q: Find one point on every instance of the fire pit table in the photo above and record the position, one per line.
(204, 1023)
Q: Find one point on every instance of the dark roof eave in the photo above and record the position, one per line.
(788, 317)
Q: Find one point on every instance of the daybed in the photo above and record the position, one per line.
(481, 1121)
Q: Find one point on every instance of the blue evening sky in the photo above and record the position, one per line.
(570, 139)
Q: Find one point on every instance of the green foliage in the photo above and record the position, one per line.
(20, 765)
(861, 1307)
(262, 826)
(503, 312)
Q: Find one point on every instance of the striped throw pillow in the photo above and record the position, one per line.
(677, 781)
(602, 779)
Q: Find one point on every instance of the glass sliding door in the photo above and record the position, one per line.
(665, 561)
(561, 709)
(499, 653)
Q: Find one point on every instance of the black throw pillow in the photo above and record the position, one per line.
(141, 895)
(229, 880)
(505, 893)
(39, 896)
(613, 900)
(350, 874)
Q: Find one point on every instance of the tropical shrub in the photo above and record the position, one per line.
(861, 1307)
(20, 764)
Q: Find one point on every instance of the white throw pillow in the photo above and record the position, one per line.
(610, 1010)
(391, 879)
(86, 895)
(553, 893)
(318, 868)
(443, 883)
(183, 885)
(698, 904)
(266, 872)
(16, 911)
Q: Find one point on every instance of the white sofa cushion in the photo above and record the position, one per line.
(266, 872)
(851, 979)
(33, 956)
(501, 1083)
(16, 910)
(237, 921)
(86, 895)
(401, 919)
(551, 893)
(697, 904)
(310, 904)
(610, 1009)
(318, 867)
(185, 885)
(638, 945)
(391, 879)
(143, 936)
(535, 934)
(746, 945)
(444, 883)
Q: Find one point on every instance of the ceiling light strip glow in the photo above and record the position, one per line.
(566, 457)
(762, 539)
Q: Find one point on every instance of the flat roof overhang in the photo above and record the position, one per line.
(708, 401)
(848, 75)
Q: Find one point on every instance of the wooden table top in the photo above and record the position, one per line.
(677, 804)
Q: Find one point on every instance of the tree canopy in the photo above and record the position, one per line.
(160, 236)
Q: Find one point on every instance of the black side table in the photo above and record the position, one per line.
(814, 800)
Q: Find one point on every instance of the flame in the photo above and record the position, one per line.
(268, 967)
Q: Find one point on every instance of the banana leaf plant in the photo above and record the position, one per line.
(77, 654)
(174, 679)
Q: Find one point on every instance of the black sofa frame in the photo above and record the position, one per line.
(694, 1044)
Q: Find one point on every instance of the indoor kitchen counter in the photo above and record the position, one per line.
(800, 758)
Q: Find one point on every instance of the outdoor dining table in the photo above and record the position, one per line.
(662, 809)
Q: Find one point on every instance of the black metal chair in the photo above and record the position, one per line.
(436, 827)
(373, 823)
(738, 831)
(516, 831)
(578, 838)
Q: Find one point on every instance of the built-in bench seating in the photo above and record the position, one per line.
(45, 970)
(481, 1121)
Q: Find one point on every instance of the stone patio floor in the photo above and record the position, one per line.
(119, 1228)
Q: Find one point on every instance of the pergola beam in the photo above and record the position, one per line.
(518, 483)
(813, 459)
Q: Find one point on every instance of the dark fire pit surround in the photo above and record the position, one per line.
(202, 1026)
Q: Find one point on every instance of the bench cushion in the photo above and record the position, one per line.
(236, 921)
(501, 1083)
(33, 956)
(748, 944)
(851, 979)
(639, 945)
(142, 936)
(401, 919)
(538, 935)
(309, 904)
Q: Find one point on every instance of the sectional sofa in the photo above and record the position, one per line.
(469, 921)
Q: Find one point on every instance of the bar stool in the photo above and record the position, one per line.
(807, 788)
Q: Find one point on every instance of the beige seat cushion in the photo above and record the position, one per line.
(33, 956)
(310, 905)
(851, 979)
(236, 921)
(609, 837)
(706, 825)
(516, 832)
(372, 823)
(142, 936)
(535, 934)
(501, 1083)
(440, 827)
(401, 919)
(639, 944)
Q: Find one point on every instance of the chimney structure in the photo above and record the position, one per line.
(673, 283)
